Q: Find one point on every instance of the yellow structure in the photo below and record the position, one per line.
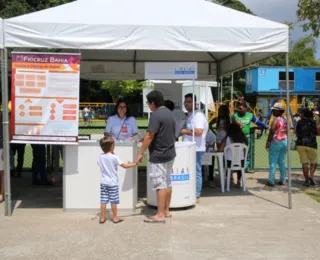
(233, 104)
(232, 107)
(94, 104)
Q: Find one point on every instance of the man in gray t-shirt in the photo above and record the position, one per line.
(160, 139)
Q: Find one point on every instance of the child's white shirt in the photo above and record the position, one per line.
(108, 164)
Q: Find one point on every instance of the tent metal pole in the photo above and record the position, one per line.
(206, 101)
(288, 130)
(148, 83)
(221, 86)
(232, 87)
(193, 107)
(6, 133)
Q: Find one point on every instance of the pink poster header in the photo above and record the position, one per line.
(46, 58)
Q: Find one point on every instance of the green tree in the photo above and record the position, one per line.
(238, 85)
(12, 8)
(302, 54)
(122, 88)
(234, 4)
(309, 13)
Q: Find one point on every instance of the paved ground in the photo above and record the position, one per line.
(251, 225)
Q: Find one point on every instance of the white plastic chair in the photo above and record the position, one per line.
(237, 149)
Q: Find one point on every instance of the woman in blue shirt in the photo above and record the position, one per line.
(121, 125)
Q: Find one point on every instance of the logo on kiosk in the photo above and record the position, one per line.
(180, 176)
(185, 70)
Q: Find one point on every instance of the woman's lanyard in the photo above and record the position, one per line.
(121, 128)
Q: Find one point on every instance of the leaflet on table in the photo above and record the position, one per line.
(139, 137)
(45, 96)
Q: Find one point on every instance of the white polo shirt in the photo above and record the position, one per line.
(198, 122)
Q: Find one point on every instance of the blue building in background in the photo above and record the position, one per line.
(268, 83)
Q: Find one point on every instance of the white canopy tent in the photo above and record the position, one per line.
(1, 33)
(116, 38)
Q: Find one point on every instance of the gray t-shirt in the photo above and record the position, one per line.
(162, 148)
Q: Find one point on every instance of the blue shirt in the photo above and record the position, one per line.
(121, 129)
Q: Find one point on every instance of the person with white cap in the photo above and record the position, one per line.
(277, 145)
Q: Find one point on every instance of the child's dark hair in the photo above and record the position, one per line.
(224, 109)
(236, 135)
(307, 113)
(106, 143)
(169, 104)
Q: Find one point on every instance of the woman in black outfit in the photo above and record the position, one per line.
(306, 132)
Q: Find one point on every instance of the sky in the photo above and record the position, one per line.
(278, 11)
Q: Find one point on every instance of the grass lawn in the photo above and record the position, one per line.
(100, 123)
(262, 156)
(313, 193)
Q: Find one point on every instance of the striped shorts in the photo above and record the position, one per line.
(160, 175)
(109, 194)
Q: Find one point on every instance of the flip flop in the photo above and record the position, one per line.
(169, 216)
(102, 222)
(119, 221)
(153, 221)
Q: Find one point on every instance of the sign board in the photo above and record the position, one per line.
(263, 72)
(173, 93)
(171, 70)
(45, 98)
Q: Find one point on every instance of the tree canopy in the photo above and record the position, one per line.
(122, 88)
(309, 13)
(302, 54)
(234, 4)
(11, 8)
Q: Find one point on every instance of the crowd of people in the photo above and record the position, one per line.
(161, 136)
(160, 140)
(89, 114)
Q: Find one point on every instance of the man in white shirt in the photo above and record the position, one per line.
(199, 124)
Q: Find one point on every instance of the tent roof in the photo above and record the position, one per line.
(149, 30)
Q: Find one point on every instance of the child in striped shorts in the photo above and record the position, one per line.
(108, 163)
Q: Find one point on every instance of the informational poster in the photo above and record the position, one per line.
(45, 98)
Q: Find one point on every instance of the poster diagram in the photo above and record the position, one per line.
(45, 97)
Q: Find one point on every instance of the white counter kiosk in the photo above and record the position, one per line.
(183, 175)
(183, 178)
(81, 176)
